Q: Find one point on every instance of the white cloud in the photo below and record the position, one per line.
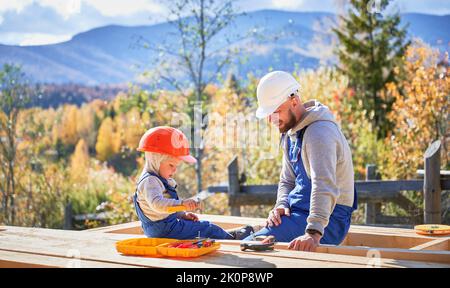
(1, 19)
(42, 39)
(123, 8)
(287, 4)
(67, 8)
(16, 5)
(24, 39)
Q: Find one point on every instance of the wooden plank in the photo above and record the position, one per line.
(390, 253)
(92, 246)
(383, 241)
(96, 246)
(438, 244)
(229, 222)
(9, 259)
(390, 239)
(125, 228)
(388, 257)
(376, 230)
(100, 247)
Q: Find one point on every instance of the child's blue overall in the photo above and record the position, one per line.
(171, 226)
(294, 226)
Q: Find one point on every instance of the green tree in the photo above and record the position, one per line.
(371, 46)
(14, 95)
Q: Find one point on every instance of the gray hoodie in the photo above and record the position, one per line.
(327, 159)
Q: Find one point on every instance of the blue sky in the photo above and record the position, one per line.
(31, 22)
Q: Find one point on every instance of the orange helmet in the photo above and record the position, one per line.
(166, 140)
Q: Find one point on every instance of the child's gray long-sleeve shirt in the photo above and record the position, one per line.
(154, 200)
(327, 159)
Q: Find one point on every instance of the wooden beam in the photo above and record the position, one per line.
(99, 247)
(68, 216)
(233, 186)
(323, 254)
(126, 228)
(372, 209)
(253, 198)
(388, 255)
(9, 259)
(432, 184)
(438, 244)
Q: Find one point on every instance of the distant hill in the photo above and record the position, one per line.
(53, 95)
(109, 55)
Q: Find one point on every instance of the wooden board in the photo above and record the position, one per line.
(391, 243)
(10, 259)
(42, 246)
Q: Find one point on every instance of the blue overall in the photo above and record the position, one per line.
(294, 226)
(171, 226)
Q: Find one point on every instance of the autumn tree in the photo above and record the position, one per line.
(68, 126)
(106, 141)
(85, 125)
(79, 162)
(14, 94)
(420, 114)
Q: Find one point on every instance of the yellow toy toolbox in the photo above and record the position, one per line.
(186, 252)
(158, 247)
(142, 246)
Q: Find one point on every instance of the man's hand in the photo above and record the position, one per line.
(190, 216)
(306, 242)
(274, 218)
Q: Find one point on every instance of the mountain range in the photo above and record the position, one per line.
(282, 40)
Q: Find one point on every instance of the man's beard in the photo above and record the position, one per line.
(290, 124)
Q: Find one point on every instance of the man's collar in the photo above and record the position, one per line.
(293, 131)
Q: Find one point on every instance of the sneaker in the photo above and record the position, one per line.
(241, 233)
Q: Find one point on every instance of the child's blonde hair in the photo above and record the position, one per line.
(153, 161)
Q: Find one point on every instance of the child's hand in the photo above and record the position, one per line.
(190, 216)
(190, 204)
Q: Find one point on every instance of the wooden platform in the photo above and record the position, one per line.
(364, 247)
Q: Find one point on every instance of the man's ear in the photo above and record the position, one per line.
(294, 101)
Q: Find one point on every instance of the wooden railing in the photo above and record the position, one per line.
(372, 192)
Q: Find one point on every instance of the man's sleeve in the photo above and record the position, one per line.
(321, 143)
(286, 184)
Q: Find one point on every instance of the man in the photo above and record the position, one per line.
(316, 195)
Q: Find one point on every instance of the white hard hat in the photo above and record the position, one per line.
(273, 89)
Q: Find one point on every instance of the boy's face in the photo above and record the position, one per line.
(168, 168)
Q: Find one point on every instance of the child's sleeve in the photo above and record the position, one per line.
(153, 190)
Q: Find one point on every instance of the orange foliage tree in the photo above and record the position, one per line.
(420, 113)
